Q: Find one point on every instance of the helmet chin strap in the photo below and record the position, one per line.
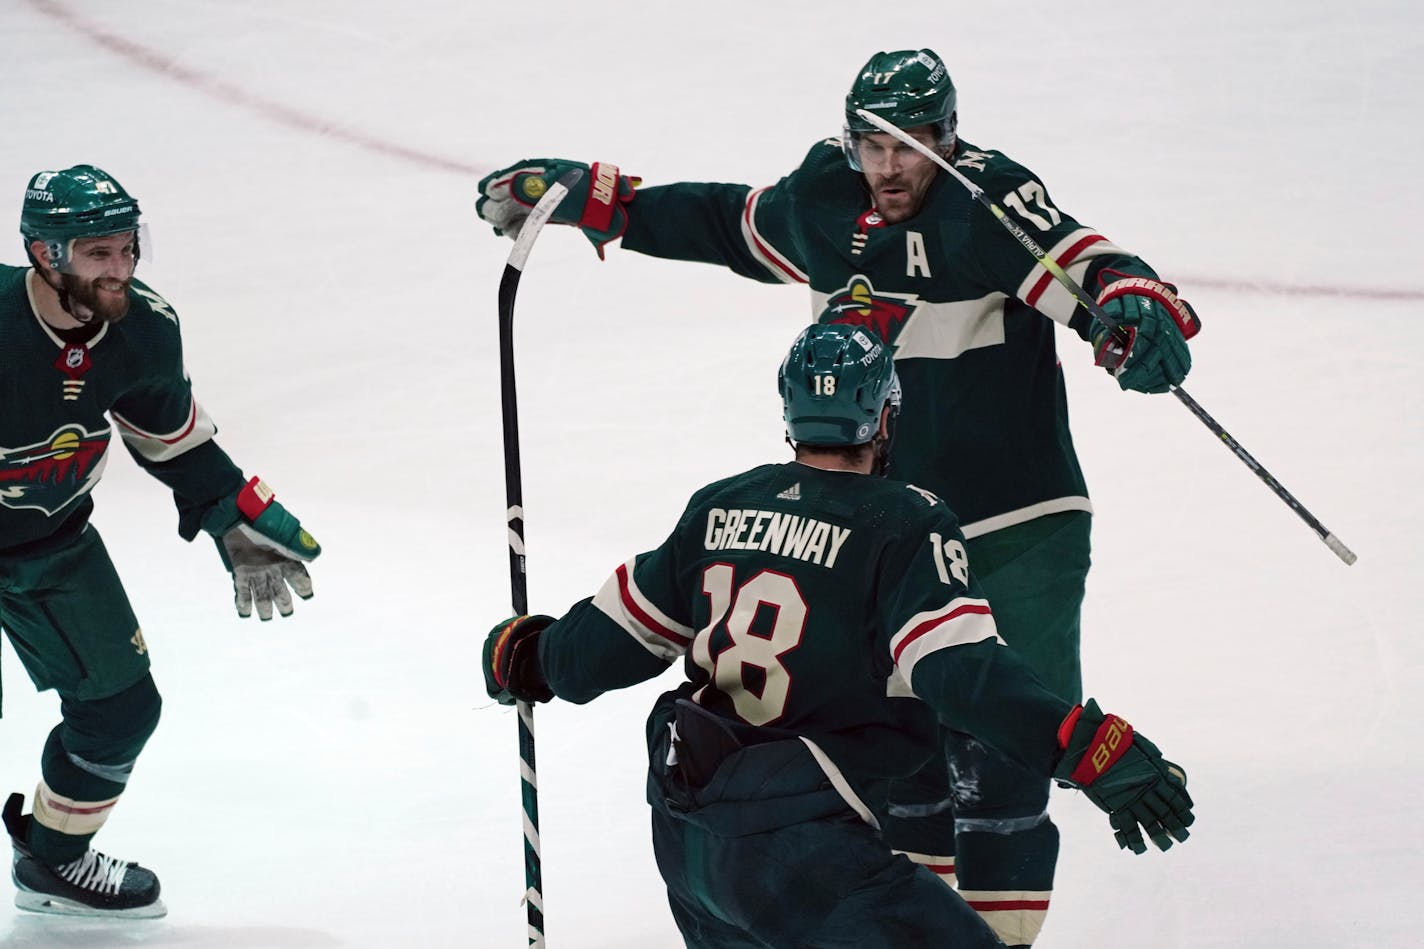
(882, 456)
(883, 441)
(50, 275)
(58, 287)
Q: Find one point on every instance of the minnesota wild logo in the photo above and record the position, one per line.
(861, 305)
(48, 474)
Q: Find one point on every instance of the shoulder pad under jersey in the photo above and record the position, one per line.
(993, 171)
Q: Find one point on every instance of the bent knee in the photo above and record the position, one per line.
(112, 731)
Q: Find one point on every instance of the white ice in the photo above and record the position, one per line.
(339, 779)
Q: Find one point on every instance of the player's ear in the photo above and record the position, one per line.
(40, 253)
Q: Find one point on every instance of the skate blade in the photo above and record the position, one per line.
(57, 906)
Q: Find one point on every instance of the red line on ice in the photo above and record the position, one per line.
(155, 61)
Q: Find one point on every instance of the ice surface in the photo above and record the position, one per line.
(308, 169)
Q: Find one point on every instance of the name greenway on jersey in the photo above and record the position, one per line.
(789, 535)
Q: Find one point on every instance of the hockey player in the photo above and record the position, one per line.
(884, 239)
(825, 618)
(81, 339)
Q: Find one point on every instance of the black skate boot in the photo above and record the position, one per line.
(92, 885)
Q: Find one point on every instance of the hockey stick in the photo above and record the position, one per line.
(514, 514)
(1091, 305)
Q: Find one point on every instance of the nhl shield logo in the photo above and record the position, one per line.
(860, 304)
(47, 475)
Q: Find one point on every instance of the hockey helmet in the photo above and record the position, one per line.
(907, 88)
(82, 201)
(834, 383)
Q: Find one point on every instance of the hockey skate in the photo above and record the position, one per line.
(92, 885)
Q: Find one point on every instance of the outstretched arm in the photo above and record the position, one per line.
(261, 544)
(750, 232)
(943, 642)
(629, 632)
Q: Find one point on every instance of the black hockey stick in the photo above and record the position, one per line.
(1091, 305)
(514, 514)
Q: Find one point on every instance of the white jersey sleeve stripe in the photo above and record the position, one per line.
(620, 599)
(1042, 291)
(161, 447)
(961, 621)
(768, 256)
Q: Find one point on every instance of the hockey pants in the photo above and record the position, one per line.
(764, 855)
(70, 622)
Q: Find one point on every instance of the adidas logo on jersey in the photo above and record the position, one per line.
(792, 493)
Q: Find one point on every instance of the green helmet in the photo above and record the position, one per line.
(82, 201)
(834, 384)
(908, 88)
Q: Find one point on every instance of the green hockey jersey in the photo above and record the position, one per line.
(56, 402)
(829, 605)
(969, 311)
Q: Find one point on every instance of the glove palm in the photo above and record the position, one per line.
(264, 548)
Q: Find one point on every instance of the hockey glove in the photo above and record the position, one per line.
(263, 547)
(1150, 353)
(511, 661)
(595, 204)
(1125, 775)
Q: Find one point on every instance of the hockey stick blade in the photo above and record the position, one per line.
(1091, 305)
(537, 217)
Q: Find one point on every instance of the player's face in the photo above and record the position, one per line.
(98, 275)
(899, 177)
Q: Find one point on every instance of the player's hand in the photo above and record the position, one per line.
(1125, 775)
(596, 204)
(1150, 353)
(511, 661)
(264, 548)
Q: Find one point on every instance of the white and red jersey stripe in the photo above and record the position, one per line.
(156, 446)
(766, 254)
(961, 621)
(621, 601)
(1042, 291)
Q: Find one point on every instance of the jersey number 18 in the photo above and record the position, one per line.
(736, 611)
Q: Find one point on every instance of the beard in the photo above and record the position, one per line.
(104, 298)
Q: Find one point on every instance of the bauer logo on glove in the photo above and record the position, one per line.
(596, 204)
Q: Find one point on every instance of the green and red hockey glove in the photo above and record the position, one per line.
(595, 204)
(264, 548)
(1125, 775)
(1157, 324)
(511, 661)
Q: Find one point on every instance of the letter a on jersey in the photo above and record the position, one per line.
(917, 260)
